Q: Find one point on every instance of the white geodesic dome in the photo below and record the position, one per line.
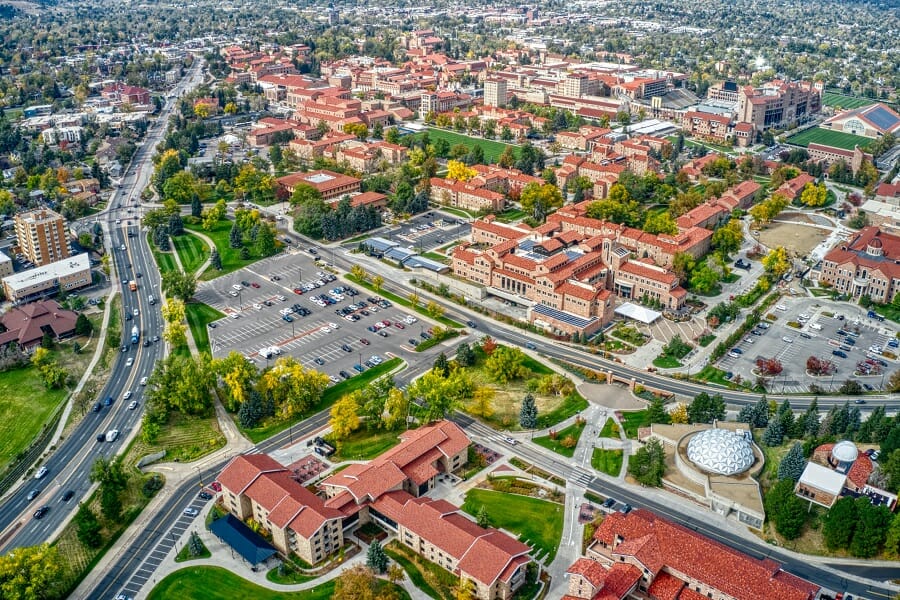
(721, 451)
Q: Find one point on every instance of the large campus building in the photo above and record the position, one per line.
(778, 103)
(390, 491)
(642, 556)
(567, 269)
(865, 265)
(66, 275)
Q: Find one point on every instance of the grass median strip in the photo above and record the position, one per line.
(329, 397)
(199, 316)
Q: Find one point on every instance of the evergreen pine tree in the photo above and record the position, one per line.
(376, 559)
(482, 517)
(774, 434)
(441, 365)
(793, 463)
(761, 412)
(656, 412)
(812, 418)
(235, 238)
(196, 207)
(195, 546)
(215, 260)
(786, 417)
(528, 413)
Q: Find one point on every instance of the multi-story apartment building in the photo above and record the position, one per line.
(709, 126)
(868, 264)
(778, 103)
(495, 92)
(389, 491)
(642, 556)
(41, 236)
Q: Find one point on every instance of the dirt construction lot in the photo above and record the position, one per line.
(796, 238)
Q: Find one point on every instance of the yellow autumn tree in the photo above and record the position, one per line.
(459, 171)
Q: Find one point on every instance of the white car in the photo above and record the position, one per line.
(234, 315)
(257, 306)
(129, 362)
(40, 473)
(135, 312)
(133, 405)
(815, 326)
(236, 287)
(280, 297)
(326, 330)
(787, 339)
(126, 395)
(143, 381)
(334, 325)
(803, 317)
(191, 511)
(233, 294)
(781, 307)
(410, 319)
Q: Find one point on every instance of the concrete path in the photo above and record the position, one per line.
(209, 243)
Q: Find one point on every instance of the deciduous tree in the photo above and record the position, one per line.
(345, 416)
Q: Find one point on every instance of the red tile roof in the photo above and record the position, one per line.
(665, 586)
(590, 570)
(657, 543)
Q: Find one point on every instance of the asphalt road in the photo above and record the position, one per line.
(70, 465)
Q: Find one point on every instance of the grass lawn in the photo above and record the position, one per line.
(508, 397)
(184, 438)
(231, 257)
(290, 576)
(574, 430)
(711, 374)
(607, 461)
(365, 444)
(512, 214)
(842, 101)
(632, 421)
(441, 258)
(329, 397)
(395, 299)
(706, 340)
(25, 405)
(888, 312)
(431, 579)
(191, 250)
(838, 139)
(610, 430)
(164, 260)
(199, 315)
(664, 361)
(492, 149)
(215, 583)
(184, 555)
(538, 523)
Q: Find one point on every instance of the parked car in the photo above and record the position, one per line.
(839, 353)
(191, 511)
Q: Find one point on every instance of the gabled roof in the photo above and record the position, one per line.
(658, 543)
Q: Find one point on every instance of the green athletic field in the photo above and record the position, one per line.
(837, 139)
(842, 101)
(492, 149)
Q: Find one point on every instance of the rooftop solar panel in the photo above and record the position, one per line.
(562, 316)
(882, 118)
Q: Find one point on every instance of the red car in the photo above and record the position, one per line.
(298, 291)
(254, 285)
(364, 342)
(399, 325)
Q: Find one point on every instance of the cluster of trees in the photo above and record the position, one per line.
(814, 195)
(763, 212)
(53, 375)
(648, 464)
(769, 367)
(856, 525)
(32, 573)
(820, 366)
(249, 230)
(317, 219)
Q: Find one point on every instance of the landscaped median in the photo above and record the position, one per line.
(563, 441)
(329, 397)
(199, 316)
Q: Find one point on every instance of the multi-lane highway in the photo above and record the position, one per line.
(70, 465)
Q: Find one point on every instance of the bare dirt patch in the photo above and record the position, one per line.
(799, 240)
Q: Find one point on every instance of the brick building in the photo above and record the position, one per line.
(867, 264)
(389, 491)
(778, 103)
(640, 555)
(328, 183)
(41, 236)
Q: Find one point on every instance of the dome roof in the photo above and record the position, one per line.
(721, 451)
(845, 452)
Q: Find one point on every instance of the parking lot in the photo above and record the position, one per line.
(256, 318)
(428, 231)
(861, 341)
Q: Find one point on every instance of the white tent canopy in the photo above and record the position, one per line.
(638, 313)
